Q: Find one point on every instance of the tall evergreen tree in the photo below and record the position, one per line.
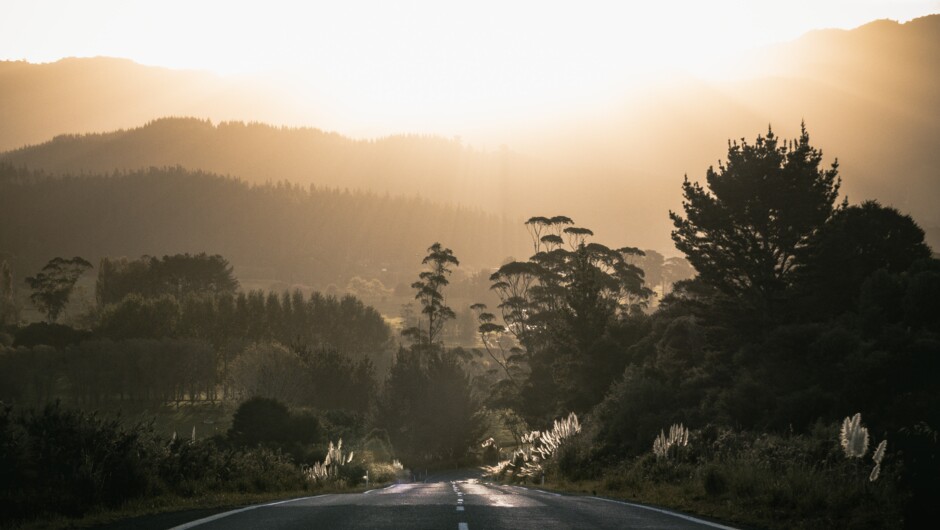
(743, 234)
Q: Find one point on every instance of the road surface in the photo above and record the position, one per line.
(453, 502)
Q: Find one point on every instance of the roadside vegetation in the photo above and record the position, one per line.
(790, 383)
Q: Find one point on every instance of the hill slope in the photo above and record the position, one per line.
(276, 232)
(869, 96)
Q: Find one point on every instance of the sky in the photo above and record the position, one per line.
(431, 66)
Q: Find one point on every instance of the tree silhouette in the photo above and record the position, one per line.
(8, 310)
(856, 242)
(744, 232)
(561, 306)
(53, 285)
(430, 293)
(428, 407)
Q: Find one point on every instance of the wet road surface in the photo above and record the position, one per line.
(455, 502)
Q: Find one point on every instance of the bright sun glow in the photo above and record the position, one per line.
(432, 66)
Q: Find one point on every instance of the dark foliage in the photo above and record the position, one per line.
(428, 408)
(344, 324)
(177, 276)
(43, 333)
(850, 247)
(744, 234)
(59, 461)
(52, 286)
(573, 307)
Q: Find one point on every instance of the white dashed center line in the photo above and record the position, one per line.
(460, 508)
(462, 526)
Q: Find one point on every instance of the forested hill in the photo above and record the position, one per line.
(438, 169)
(294, 234)
(870, 95)
(78, 95)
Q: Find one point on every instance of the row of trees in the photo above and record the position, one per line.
(315, 321)
(97, 372)
(158, 371)
(177, 275)
(804, 310)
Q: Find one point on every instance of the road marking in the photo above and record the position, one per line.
(460, 508)
(552, 493)
(462, 526)
(667, 512)
(380, 489)
(218, 516)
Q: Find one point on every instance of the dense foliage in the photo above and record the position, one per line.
(171, 275)
(316, 321)
(801, 314)
(59, 461)
(571, 309)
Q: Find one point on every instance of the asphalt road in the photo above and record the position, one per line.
(455, 502)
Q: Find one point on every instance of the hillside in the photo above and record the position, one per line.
(305, 236)
(438, 169)
(80, 95)
(869, 96)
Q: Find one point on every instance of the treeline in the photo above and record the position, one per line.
(171, 275)
(440, 169)
(804, 311)
(58, 461)
(178, 331)
(279, 231)
(103, 372)
(317, 321)
(159, 371)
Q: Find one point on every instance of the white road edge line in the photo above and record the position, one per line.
(552, 493)
(668, 512)
(390, 486)
(217, 516)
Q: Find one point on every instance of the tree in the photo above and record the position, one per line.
(744, 233)
(856, 242)
(53, 285)
(9, 313)
(561, 306)
(428, 407)
(675, 270)
(268, 370)
(179, 276)
(139, 317)
(430, 293)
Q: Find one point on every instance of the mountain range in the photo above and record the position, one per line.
(869, 97)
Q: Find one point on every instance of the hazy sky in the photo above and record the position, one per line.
(431, 65)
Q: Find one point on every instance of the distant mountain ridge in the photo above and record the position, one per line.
(280, 232)
(869, 96)
(439, 169)
(80, 95)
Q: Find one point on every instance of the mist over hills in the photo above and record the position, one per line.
(436, 168)
(276, 232)
(869, 96)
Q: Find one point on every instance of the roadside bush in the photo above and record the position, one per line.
(65, 461)
(59, 461)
